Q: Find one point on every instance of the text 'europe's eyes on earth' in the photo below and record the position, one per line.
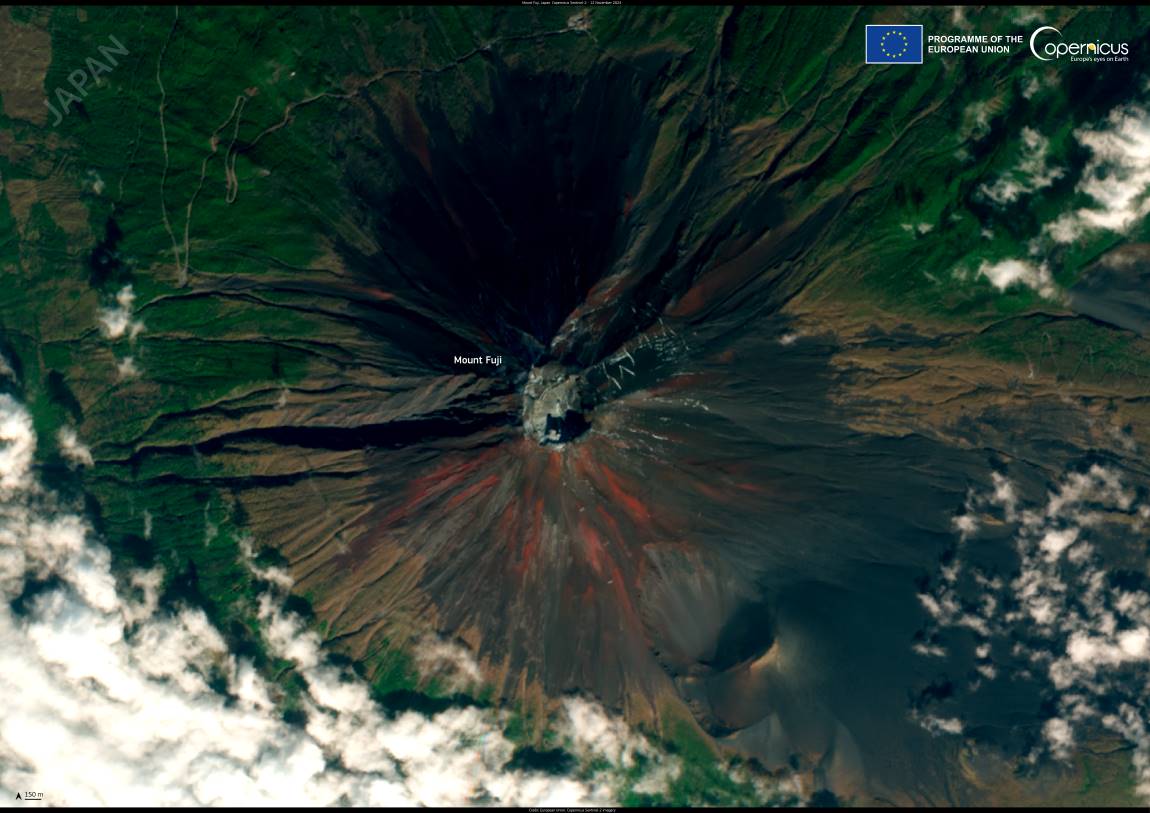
(559, 404)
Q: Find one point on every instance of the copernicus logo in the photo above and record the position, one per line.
(894, 44)
(1047, 44)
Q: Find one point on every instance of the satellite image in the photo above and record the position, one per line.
(565, 404)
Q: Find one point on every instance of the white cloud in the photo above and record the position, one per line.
(1098, 484)
(17, 445)
(1069, 620)
(116, 321)
(1005, 494)
(126, 369)
(1029, 174)
(593, 732)
(449, 662)
(940, 725)
(1031, 85)
(93, 182)
(71, 449)
(929, 650)
(975, 121)
(965, 524)
(1007, 273)
(1024, 15)
(1116, 177)
(1060, 735)
(108, 697)
(1053, 543)
(274, 575)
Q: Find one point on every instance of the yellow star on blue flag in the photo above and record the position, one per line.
(894, 44)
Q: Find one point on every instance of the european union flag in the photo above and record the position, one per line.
(891, 44)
